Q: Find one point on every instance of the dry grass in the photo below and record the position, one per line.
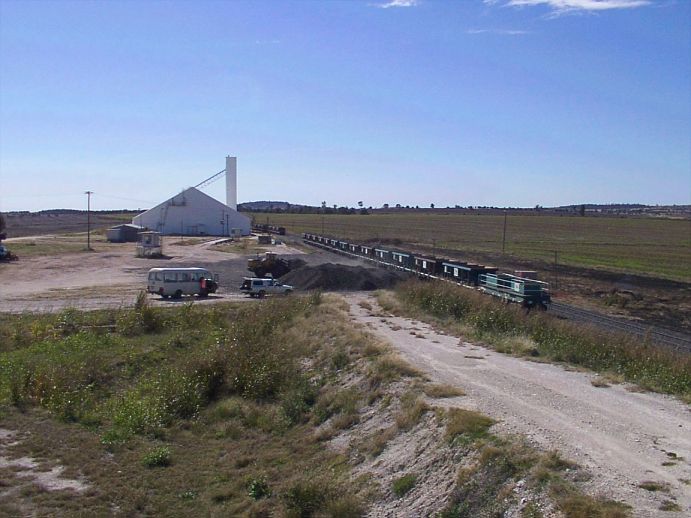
(376, 442)
(651, 485)
(412, 410)
(436, 390)
(390, 367)
(599, 382)
(467, 424)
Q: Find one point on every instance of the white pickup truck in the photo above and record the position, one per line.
(260, 287)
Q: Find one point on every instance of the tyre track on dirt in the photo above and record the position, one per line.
(621, 437)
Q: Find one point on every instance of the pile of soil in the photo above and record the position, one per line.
(329, 276)
(294, 264)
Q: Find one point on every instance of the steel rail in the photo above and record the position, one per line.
(657, 335)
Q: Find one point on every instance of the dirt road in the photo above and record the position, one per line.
(623, 438)
(111, 277)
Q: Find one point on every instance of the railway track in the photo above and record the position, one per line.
(655, 335)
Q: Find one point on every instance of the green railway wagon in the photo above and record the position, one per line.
(528, 292)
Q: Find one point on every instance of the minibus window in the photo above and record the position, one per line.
(170, 277)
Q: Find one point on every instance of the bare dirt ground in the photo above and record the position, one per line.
(622, 438)
(113, 276)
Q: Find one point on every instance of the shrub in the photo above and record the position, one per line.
(298, 398)
(258, 488)
(404, 484)
(305, 498)
(158, 457)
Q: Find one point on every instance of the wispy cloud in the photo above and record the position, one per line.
(502, 32)
(397, 3)
(574, 6)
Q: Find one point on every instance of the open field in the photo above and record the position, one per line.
(38, 223)
(644, 246)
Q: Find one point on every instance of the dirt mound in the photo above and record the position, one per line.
(295, 264)
(331, 276)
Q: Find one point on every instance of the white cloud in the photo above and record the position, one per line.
(503, 32)
(573, 6)
(398, 3)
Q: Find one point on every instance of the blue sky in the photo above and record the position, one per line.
(496, 102)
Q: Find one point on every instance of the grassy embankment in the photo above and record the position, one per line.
(224, 410)
(646, 246)
(202, 410)
(508, 329)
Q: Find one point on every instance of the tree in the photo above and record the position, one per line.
(582, 210)
(431, 205)
(386, 205)
(360, 204)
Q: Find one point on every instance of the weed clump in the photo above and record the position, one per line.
(157, 458)
(257, 488)
(467, 424)
(403, 485)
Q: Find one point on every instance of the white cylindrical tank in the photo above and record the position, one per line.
(232, 182)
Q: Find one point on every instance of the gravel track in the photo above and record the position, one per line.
(621, 437)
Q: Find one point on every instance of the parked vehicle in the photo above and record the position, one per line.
(176, 282)
(270, 264)
(261, 287)
(6, 255)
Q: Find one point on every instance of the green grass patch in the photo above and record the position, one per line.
(157, 458)
(467, 425)
(403, 485)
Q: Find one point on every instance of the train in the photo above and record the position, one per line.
(520, 287)
(268, 229)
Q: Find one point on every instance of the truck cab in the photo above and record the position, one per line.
(260, 287)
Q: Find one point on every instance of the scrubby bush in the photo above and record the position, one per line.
(157, 458)
(404, 484)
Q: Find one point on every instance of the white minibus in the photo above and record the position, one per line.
(176, 282)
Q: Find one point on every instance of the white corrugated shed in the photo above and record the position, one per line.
(193, 213)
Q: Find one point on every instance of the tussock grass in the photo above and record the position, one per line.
(412, 410)
(467, 425)
(391, 367)
(376, 442)
(436, 390)
(510, 330)
(484, 487)
(403, 485)
(651, 485)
